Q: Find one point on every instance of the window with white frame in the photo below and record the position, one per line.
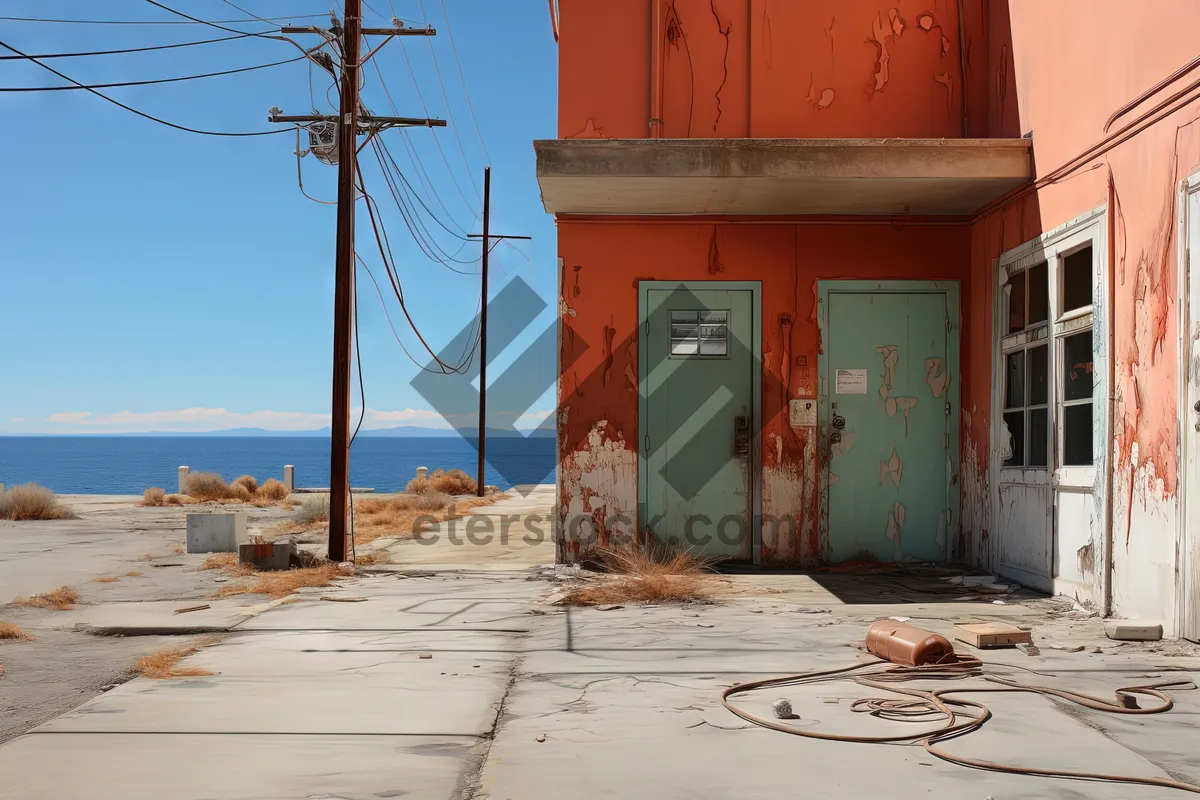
(1047, 361)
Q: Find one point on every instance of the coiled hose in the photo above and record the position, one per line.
(959, 716)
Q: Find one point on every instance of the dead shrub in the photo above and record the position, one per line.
(162, 664)
(248, 481)
(453, 482)
(61, 599)
(133, 574)
(113, 579)
(404, 515)
(32, 502)
(239, 492)
(373, 557)
(154, 496)
(313, 509)
(284, 582)
(207, 486)
(273, 490)
(644, 574)
(14, 633)
(419, 486)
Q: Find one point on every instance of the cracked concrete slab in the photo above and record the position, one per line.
(232, 767)
(158, 617)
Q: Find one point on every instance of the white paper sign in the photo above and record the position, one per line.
(850, 381)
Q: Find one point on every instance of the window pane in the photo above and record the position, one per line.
(1038, 443)
(683, 347)
(1014, 384)
(1014, 423)
(1039, 374)
(714, 347)
(1039, 293)
(1016, 302)
(1077, 279)
(1077, 366)
(1077, 435)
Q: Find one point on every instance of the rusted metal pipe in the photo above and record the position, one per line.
(1106, 563)
(1153, 90)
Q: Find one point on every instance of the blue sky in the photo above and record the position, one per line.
(152, 279)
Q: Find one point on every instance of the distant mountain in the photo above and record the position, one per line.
(404, 431)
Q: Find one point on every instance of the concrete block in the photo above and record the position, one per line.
(183, 478)
(289, 477)
(216, 533)
(1128, 630)
(267, 555)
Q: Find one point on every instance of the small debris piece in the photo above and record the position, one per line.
(1132, 630)
(157, 566)
(1029, 648)
(611, 608)
(783, 709)
(190, 609)
(1067, 649)
(991, 634)
(426, 655)
(334, 599)
(703, 625)
(999, 603)
(900, 619)
(540, 738)
(812, 610)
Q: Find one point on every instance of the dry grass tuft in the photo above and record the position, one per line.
(179, 500)
(273, 490)
(403, 516)
(154, 496)
(32, 502)
(229, 564)
(644, 574)
(453, 482)
(373, 557)
(248, 482)
(161, 665)
(207, 486)
(284, 582)
(133, 574)
(61, 599)
(113, 579)
(14, 633)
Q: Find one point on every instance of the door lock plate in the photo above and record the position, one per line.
(741, 437)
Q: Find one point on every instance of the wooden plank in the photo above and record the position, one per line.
(991, 634)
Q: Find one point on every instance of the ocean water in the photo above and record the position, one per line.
(130, 464)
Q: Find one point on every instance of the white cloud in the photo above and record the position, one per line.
(68, 417)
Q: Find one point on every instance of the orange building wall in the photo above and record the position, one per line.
(598, 401)
(773, 68)
(1060, 69)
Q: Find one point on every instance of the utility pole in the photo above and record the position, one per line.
(350, 34)
(483, 305)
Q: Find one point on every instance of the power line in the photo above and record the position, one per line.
(131, 49)
(93, 86)
(462, 79)
(446, 161)
(150, 22)
(134, 110)
(449, 111)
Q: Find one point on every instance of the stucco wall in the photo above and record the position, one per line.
(772, 68)
(602, 262)
(1060, 70)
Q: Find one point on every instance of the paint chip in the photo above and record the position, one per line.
(895, 523)
(905, 404)
(892, 468)
(826, 100)
(891, 356)
(936, 375)
(925, 21)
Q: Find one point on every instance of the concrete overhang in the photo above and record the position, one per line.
(778, 176)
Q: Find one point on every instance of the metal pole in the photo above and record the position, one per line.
(483, 305)
(339, 458)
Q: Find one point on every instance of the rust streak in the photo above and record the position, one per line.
(724, 61)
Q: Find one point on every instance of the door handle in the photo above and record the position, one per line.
(741, 436)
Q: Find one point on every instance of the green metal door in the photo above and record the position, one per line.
(698, 415)
(890, 404)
